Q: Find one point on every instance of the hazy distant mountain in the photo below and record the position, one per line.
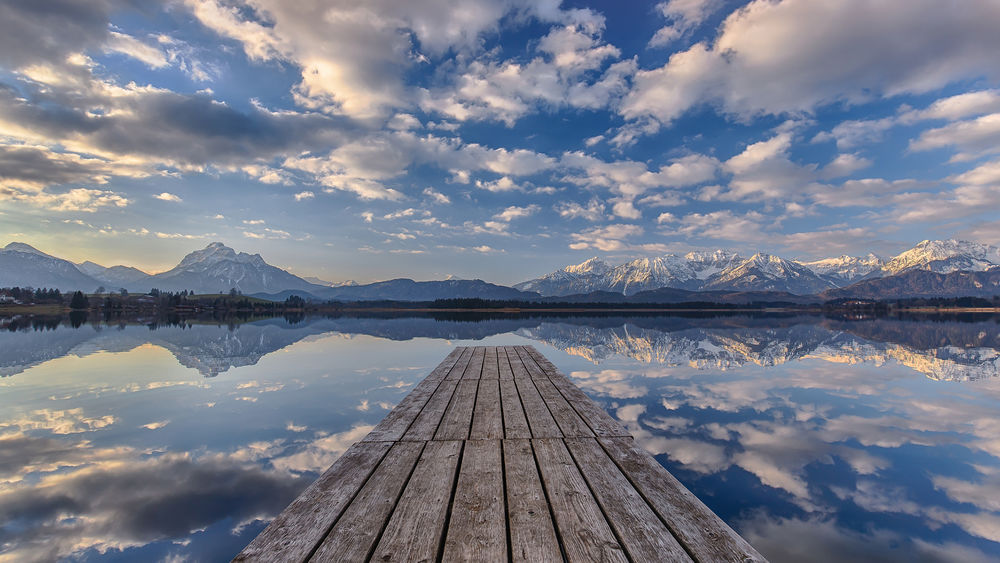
(218, 268)
(845, 270)
(923, 283)
(317, 281)
(409, 290)
(114, 277)
(23, 265)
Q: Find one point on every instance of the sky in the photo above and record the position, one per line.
(495, 139)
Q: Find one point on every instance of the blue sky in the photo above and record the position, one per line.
(495, 139)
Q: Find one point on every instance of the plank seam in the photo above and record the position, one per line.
(546, 403)
(600, 505)
(548, 502)
(451, 503)
(385, 524)
(527, 421)
(631, 481)
(506, 508)
(347, 504)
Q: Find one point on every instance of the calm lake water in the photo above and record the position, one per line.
(818, 439)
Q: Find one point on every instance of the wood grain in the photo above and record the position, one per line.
(477, 530)
(532, 533)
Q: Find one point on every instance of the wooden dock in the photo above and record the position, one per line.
(496, 456)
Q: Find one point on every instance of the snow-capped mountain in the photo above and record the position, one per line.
(642, 274)
(944, 257)
(318, 281)
(218, 268)
(770, 273)
(23, 265)
(845, 269)
(114, 277)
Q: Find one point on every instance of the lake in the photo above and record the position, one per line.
(817, 438)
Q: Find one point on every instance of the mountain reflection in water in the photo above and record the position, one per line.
(817, 438)
(943, 349)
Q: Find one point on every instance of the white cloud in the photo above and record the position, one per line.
(607, 239)
(301, 196)
(683, 16)
(436, 196)
(515, 212)
(165, 196)
(502, 184)
(721, 225)
(593, 211)
(765, 61)
(127, 45)
(972, 139)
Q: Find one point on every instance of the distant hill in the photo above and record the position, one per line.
(25, 266)
(404, 289)
(922, 283)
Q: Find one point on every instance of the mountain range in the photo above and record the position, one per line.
(931, 268)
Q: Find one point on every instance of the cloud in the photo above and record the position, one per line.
(515, 212)
(683, 17)
(720, 225)
(567, 72)
(593, 211)
(607, 239)
(502, 184)
(302, 196)
(30, 34)
(165, 196)
(972, 139)
(765, 61)
(127, 45)
(436, 196)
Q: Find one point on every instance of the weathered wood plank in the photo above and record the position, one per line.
(399, 419)
(487, 419)
(529, 362)
(580, 523)
(539, 418)
(504, 363)
(415, 529)
(515, 424)
(700, 530)
(458, 418)
(491, 366)
(463, 362)
(357, 530)
(640, 531)
(475, 368)
(532, 535)
(427, 422)
(569, 422)
(516, 365)
(296, 531)
(477, 530)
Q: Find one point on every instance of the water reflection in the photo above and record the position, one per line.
(874, 439)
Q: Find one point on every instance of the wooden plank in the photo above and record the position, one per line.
(532, 535)
(477, 530)
(581, 524)
(515, 425)
(539, 419)
(491, 366)
(597, 418)
(475, 368)
(357, 530)
(516, 365)
(459, 370)
(700, 530)
(529, 362)
(399, 419)
(427, 422)
(487, 419)
(296, 531)
(504, 363)
(639, 530)
(569, 422)
(458, 418)
(415, 529)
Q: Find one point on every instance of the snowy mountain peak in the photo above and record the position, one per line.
(592, 266)
(945, 256)
(26, 248)
(845, 269)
